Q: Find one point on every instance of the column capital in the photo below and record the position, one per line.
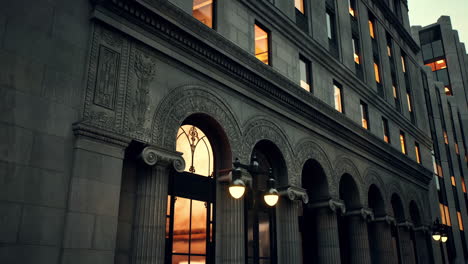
(366, 213)
(406, 224)
(386, 218)
(294, 193)
(152, 155)
(336, 205)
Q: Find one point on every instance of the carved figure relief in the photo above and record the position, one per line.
(145, 69)
(107, 77)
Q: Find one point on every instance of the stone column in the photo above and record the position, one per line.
(359, 240)
(151, 204)
(91, 218)
(328, 241)
(381, 241)
(406, 245)
(289, 237)
(421, 236)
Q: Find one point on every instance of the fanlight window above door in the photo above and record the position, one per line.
(196, 149)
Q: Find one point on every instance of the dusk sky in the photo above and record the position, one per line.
(425, 12)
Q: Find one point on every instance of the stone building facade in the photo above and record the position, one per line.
(448, 111)
(95, 95)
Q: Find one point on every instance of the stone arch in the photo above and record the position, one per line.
(185, 101)
(309, 150)
(344, 165)
(372, 177)
(260, 128)
(394, 188)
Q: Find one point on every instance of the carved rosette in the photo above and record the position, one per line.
(294, 193)
(152, 155)
(366, 214)
(335, 205)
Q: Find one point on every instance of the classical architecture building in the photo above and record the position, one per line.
(446, 97)
(121, 120)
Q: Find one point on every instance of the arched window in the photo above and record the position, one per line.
(190, 216)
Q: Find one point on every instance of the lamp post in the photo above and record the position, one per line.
(237, 185)
(439, 231)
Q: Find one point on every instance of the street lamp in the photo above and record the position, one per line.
(237, 186)
(439, 232)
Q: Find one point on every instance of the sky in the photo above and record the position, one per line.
(425, 12)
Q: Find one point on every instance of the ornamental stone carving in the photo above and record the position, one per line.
(152, 155)
(261, 128)
(145, 68)
(309, 150)
(365, 213)
(107, 78)
(185, 101)
(294, 193)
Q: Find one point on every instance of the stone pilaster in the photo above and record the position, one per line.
(422, 244)
(359, 241)
(151, 204)
(328, 242)
(381, 242)
(406, 245)
(289, 237)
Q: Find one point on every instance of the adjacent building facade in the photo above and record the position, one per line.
(121, 119)
(445, 59)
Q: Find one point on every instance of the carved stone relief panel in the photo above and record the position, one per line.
(107, 71)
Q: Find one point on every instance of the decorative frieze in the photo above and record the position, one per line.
(144, 67)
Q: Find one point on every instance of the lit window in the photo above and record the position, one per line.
(304, 70)
(447, 216)
(338, 94)
(418, 154)
(203, 11)
(262, 44)
(389, 51)
(356, 51)
(352, 7)
(448, 91)
(395, 92)
(364, 115)
(371, 29)
(403, 63)
(376, 72)
(299, 4)
(452, 179)
(403, 143)
(330, 25)
(446, 137)
(410, 106)
(440, 172)
(437, 65)
(444, 214)
(460, 221)
(456, 149)
(196, 150)
(463, 184)
(386, 131)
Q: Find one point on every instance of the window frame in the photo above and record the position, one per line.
(268, 32)
(337, 86)
(308, 73)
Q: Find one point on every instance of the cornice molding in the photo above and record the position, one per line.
(99, 134)
(213, 49)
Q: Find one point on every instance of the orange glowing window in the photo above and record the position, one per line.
(460, 221)
(447, 216)
(463, 184)
(389, 51)
(452, 179)
(262, 44)
(371, 29)
(395, 93)
(352, 7)
(196, 149)
(410, 106)
(403, 143)
(356, 51)
(446, 137)
(364, 115)
(440, 172)
(299, 4)
(437, 65)
(448, 91)
(304, 72)
(418, 154)
(403, 63)
(457, 150)
(386, 131)
(338, 93)
(376, 72)
(442, 214)
(203, 11)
